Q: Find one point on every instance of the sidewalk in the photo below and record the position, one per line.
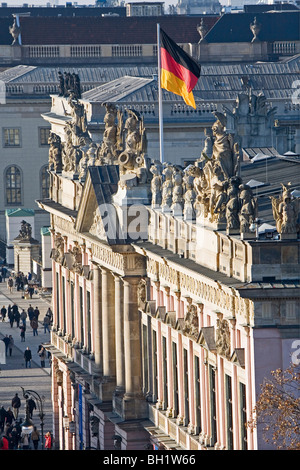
(14, 374)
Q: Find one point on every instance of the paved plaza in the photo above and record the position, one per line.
(14, 374)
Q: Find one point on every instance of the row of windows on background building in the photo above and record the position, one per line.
(12, 137)
(13, 185)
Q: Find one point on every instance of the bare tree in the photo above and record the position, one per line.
(278, 409)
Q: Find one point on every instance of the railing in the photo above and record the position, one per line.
(284, 48)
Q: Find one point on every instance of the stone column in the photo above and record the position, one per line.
(134, 405)
(108, 324)
(119, 335)
(97, 313)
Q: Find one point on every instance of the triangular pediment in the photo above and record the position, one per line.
(238, 357)
(96, 213)
(206, 338)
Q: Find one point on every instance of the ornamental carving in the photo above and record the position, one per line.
(223, 338)
(191, 322)
(142, 294)
(76, 259)
(59, 249)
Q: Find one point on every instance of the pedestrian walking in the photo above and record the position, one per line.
(27, 357)
(25, 441)
(48, 441)
(16, 404)
(4, 272)
(50, 315)
(4, 443)
(16, 314)
(22, 334)
(35, 437)
(36, 313)
(6, 342)
(23, 317)
(3, 313)
(2, 418)
(43, 356)
(9, 417)
(34, 325)
(30, 312)
(10, 315)
(10, 345)
(46, 323)
(10, 284)
(31, 406)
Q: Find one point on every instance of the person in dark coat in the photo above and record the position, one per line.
(31, 406)
(6, 341)
(10, 315)
(27, 357)
(2, 418)
(16, 404)
(3, 313)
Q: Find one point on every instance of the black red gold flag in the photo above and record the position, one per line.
(179, 71)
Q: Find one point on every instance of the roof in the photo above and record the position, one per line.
(104, 30)
(117, 90)
(270, 173)
(275, 26)
(19, 212)
(216, 82)
(7, 12)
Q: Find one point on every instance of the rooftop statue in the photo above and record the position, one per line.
(69, 84)
(286, 211)
(132, 160)
(15, 31)
(26, 231)
(112, 137)
(55, 152)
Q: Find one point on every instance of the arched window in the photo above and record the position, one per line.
(45, 182)
(13, 186)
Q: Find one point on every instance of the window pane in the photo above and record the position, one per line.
(11, 137)
(13, 186)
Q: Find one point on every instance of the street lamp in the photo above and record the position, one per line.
(27, 426)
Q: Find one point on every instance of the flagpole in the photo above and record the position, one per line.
(160, 108)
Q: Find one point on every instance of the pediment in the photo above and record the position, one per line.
(206, 338)
(96, 213)
(238, 357)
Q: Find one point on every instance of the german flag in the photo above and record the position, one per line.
(179, 71)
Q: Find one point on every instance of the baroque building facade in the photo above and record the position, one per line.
(169, 309)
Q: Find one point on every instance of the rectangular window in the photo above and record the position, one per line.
(88, 319)
(57, 301)
(145, 359)
(155, 378)
(197, 395)
(228, 387)
(243, 417)
(165, 373)
(186, 387)
(81, 315)
(72, 310)
(12, 137)
(213, 411)
(44, 136)
(175, 378)
(64, 303)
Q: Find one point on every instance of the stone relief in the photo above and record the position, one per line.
(191, 322)
(59, 249)
(223, 338)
